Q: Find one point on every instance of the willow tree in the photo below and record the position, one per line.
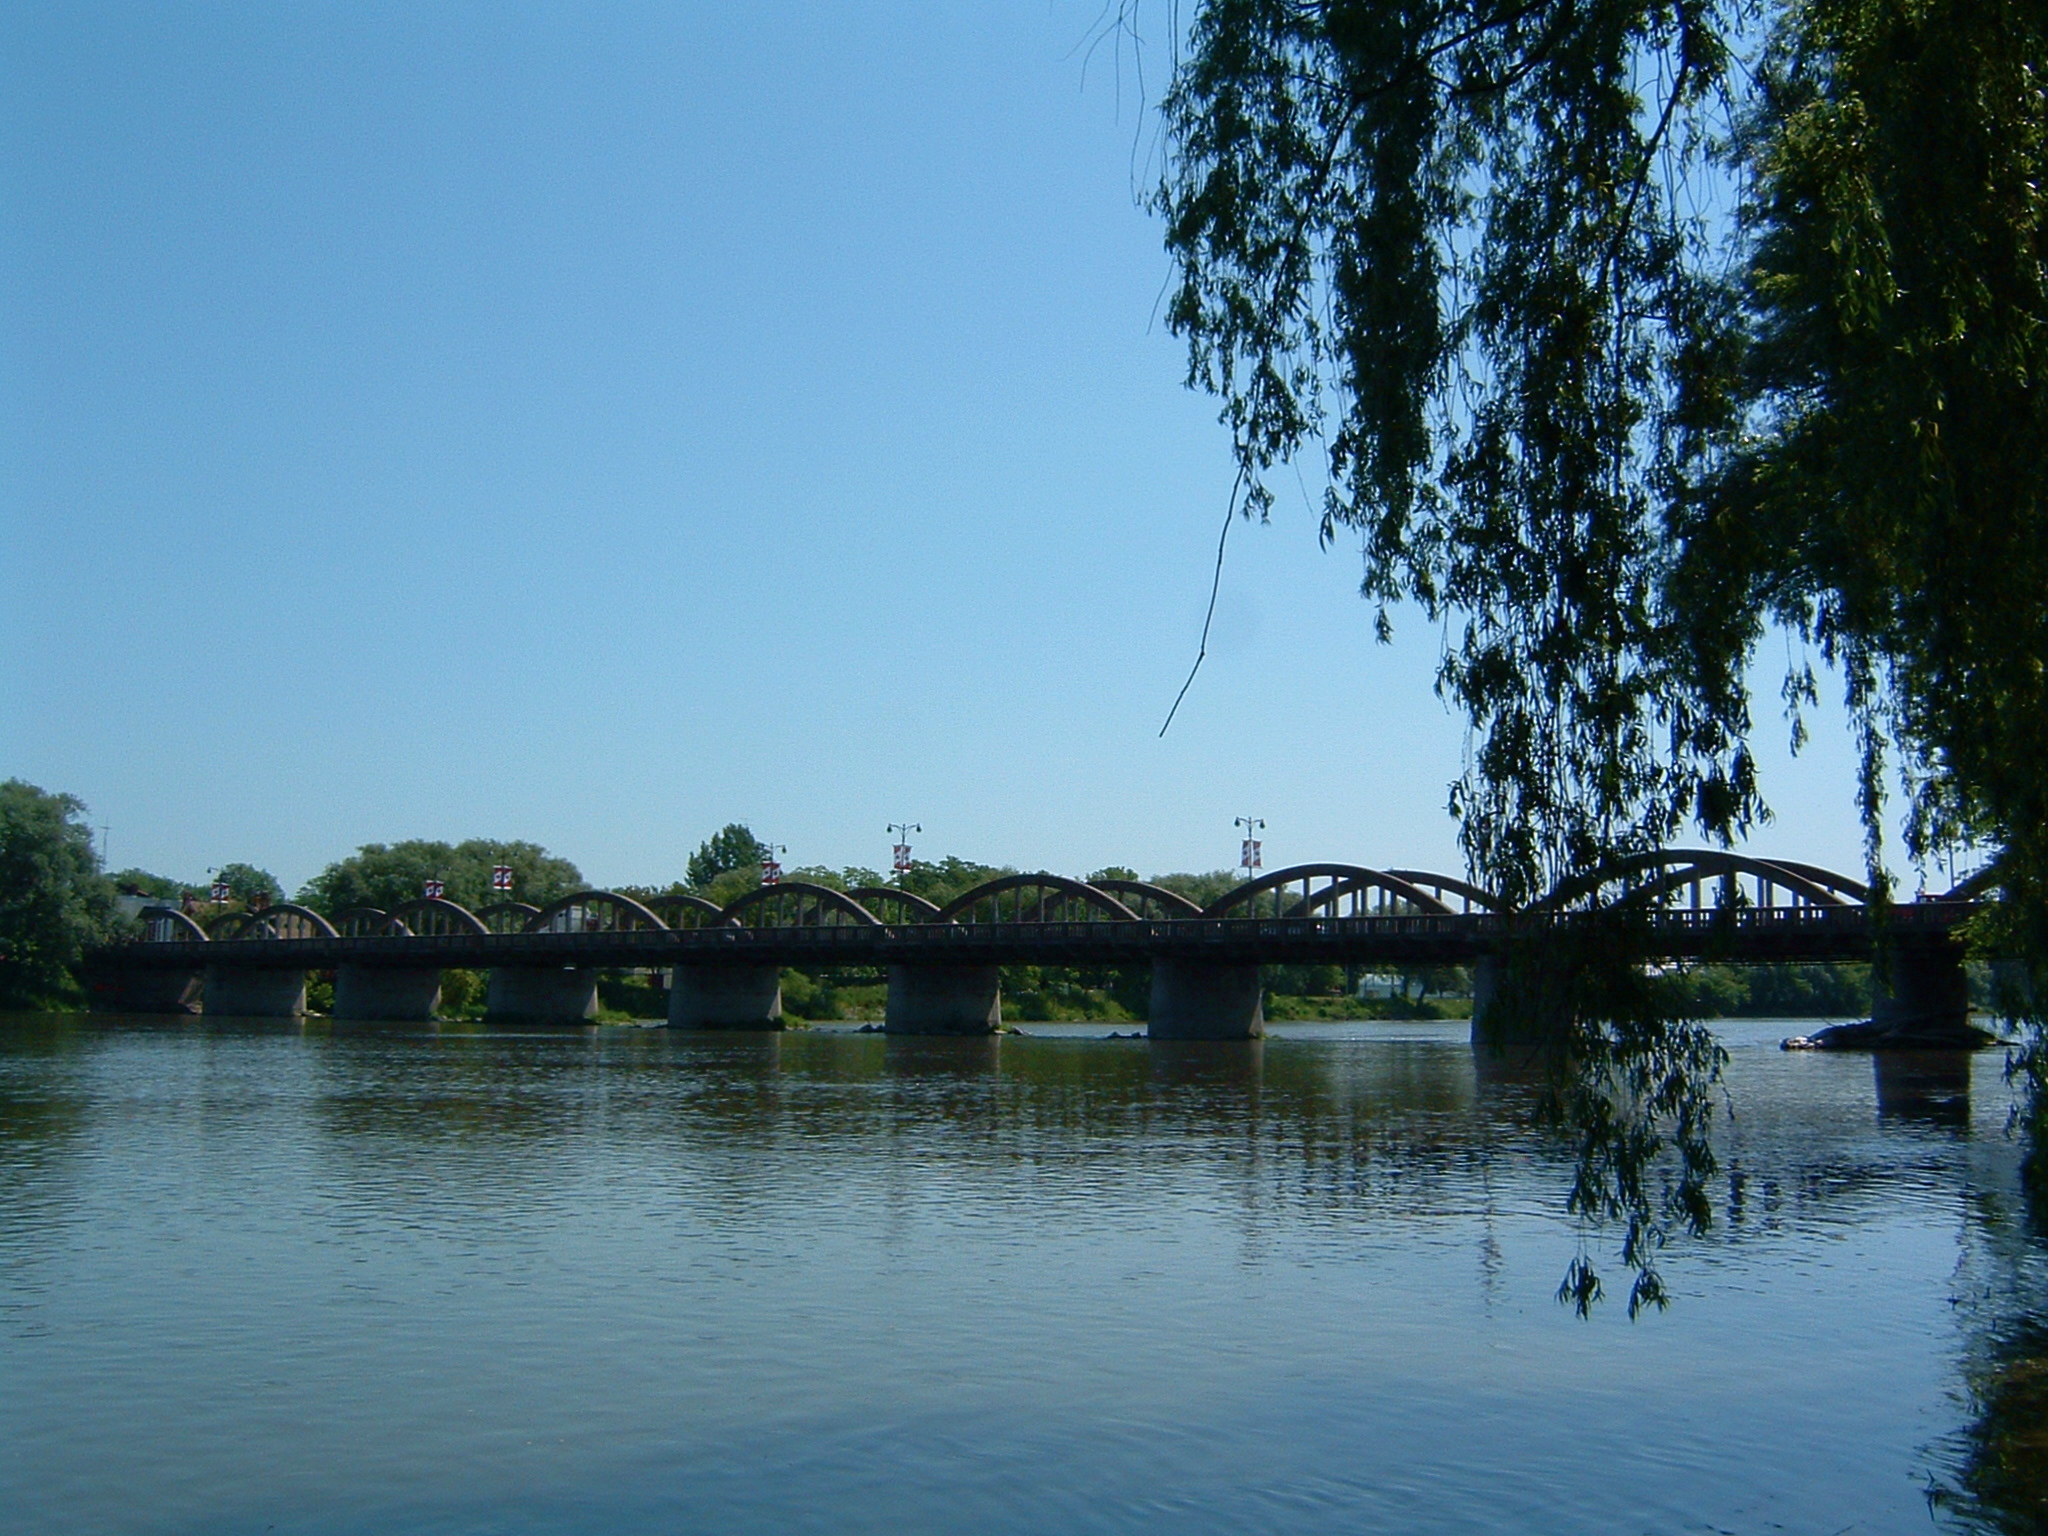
(1622, 328)
(1892, 498)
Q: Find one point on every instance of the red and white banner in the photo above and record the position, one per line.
(220, 890)
(902, 864)
(432, 890)
(501, 877)
(771, 872)
(1249, 857)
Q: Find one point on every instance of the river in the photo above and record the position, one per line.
(338, 1278)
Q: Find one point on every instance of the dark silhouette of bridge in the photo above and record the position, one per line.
(943, 962)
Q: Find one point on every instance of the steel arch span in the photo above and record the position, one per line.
(1032, 898)
(593, 912)
(285, 920)
(428, 915)
(679, 909)
(507, 916)
(1150, 901)
(1321, 887)
(894, 906)
(798, 904)
(1441, 886)
(1654, 878)
(167, 925)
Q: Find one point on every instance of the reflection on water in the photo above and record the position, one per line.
(1932, 1086)
(337, 1277)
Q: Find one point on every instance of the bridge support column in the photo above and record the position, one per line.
(386, 992)
(145, 992)
(1485, 987)
(1923, 993)
(1201, 1000)
(1524, 1011)
(725, 997)
(541, 994)
(944, 1000)
(249, 992)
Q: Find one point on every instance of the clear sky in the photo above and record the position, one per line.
(595, 424)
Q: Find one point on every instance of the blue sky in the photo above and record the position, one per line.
(597, 424)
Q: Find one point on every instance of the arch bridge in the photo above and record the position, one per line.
(942, 961)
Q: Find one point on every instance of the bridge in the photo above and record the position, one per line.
(943, 962)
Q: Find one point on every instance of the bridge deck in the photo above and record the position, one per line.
(1794, 933)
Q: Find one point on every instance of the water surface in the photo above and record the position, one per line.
(339, 1278)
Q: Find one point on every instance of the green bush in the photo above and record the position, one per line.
(462, 994)
(808, 997)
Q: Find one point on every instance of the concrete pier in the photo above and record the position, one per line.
(245, 992)
(386, 992)
(1486, 1029)
(541, 994)
(944, 1000)
(1524, 1008)
(1199, 1000)
(725, 997)
(1923, 991)
(146, 992)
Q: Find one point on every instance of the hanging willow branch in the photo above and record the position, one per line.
(1617, 350)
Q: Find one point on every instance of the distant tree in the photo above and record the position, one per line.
(730, 886)
(733, 848)
(53, 899)
(1201, 889)
(384, 875)
(947, 878)
(248, 884)
(1115, 872)
(140, 882)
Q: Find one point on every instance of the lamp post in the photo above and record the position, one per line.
(1251, 851)
(899, 833)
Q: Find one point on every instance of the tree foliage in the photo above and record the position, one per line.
(1625, 328)
(386, 875)
(1615, 358)
(732, 847)
(940, 880)
(249, 885)
(141, 882)
(1893, 501)
(1452, 242)
(54, 902)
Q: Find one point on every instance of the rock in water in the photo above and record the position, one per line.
(1906, 1035)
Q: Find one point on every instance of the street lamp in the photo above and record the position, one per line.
(899, 832)
(1250, 853)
